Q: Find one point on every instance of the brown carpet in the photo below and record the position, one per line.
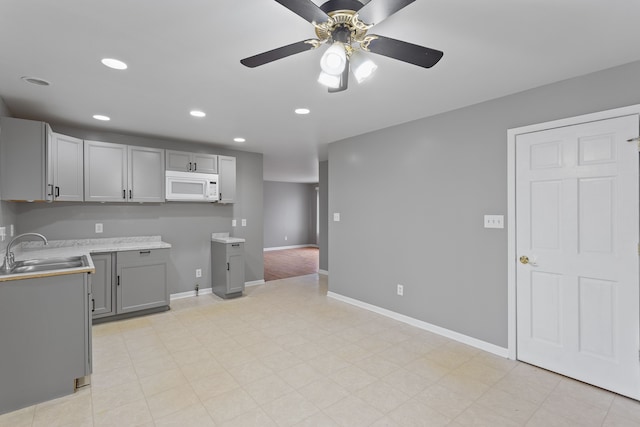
(290, 263)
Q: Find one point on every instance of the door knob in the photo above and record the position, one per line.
(524, 259)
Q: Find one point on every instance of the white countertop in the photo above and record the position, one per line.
(225, 238)
(79, 247)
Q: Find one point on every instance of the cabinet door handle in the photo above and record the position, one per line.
(93, 302)
(227, 266)
(195, 166)
(124, 194)
(145, 252)
(57, 191)
(50, 192)
(131, 194)
(118, 281)
(189, 165)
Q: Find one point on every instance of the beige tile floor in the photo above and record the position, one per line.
(286, 355)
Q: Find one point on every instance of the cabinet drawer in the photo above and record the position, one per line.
(143, 256)
(235, 248)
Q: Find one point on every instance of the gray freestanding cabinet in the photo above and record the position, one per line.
(45, 325)
(227, 267)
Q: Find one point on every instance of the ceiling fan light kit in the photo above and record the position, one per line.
(344, 24)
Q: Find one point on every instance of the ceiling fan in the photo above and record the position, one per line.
(343, 25)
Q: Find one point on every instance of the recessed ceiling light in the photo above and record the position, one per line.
(35, 81)
(302, 111)
(116, 64)
(239, 139)
(101, 117)
(197, 113)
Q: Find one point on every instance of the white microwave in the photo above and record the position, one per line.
(191, 186)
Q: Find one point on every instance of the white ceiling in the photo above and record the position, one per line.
(185, 54)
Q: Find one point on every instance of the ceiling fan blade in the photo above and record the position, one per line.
(377, 11)
(344, 80)
(403, 51)
(306, 9)
(279, 53)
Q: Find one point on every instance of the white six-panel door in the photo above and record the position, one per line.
(577, 296)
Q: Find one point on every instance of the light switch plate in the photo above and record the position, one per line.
(494, 221)
(336, 216)
(12, 230)
(234, 222)
(3, 233)
(244, 222)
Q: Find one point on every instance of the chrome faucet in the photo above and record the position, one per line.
(9, 258)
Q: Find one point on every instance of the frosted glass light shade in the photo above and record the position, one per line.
(334, 59)
(329, 80)
(362, 67)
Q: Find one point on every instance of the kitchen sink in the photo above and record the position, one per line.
(48, 264)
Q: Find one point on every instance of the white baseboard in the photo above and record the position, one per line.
(254, 283)
(207, 290)
(290, 247)
(456, 336)
(323, 272)
(180, 295)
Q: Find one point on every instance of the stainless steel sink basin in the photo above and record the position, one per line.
(48, 264)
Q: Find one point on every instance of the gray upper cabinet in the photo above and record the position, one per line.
(146, 174)
(36, 164)
(191, 162)
(105, 172)
(227, 176)
(122, 173)
(67, 168)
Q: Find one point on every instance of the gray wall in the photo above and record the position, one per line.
(187, 226)
(412, 200)
(323, 238)
(7, 213)
(289, 210)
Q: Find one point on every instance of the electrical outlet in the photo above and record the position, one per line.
(400, 290)
(198, 272)
(244, 222)
(234, 222)
(336, 216)
(494, 221)
(285, 238)
(98, 227)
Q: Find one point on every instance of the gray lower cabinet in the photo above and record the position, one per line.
(141, 281)
(45, 325)
(227, 269)
(102, 287)
(129, 281)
